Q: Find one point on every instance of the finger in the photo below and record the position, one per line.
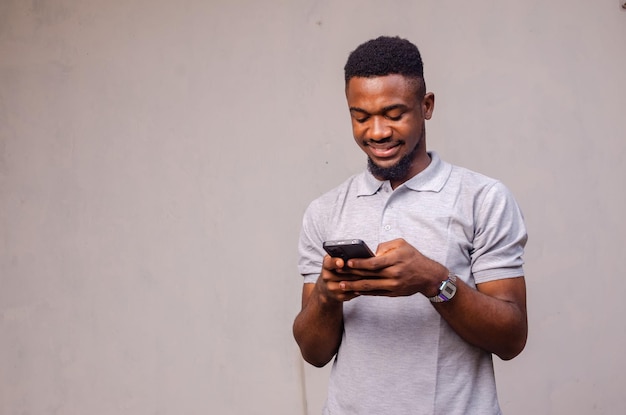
(350, 274)
(367, 266)
(362, 287)
(339, 294)
(333, 264)
(387, 246)
(372, 293)
(377, 293)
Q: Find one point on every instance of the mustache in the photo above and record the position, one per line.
(382, 141)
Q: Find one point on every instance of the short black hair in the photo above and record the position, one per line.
(383, 56)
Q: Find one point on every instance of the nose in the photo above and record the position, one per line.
(379, 130)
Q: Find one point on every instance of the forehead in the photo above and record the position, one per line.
(381, 91)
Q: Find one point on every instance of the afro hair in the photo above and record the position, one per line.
(385, 56)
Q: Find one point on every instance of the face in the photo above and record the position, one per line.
(388, 124)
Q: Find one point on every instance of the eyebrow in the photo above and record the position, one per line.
(384, 110)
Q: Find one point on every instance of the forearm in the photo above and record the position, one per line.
(318, 327)
(496, 324)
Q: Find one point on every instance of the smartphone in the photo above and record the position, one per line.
(347, 248)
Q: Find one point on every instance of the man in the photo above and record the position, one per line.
(414, 328)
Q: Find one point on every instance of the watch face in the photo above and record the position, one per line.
(448, 290)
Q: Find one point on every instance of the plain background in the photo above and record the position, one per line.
(156, 158)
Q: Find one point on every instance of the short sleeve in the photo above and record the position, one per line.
(311, 253)
(499, 236)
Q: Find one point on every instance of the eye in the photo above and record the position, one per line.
(360, 118)
(394, 115)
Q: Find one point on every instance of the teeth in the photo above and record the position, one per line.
(383, 151)
(382, 148)
(374, 146)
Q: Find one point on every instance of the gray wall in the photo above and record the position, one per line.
(156, 158)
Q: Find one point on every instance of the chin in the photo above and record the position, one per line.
(385, 164)
(396, 169)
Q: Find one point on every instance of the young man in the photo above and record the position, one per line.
(412, 329)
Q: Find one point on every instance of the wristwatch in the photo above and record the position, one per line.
(447, 289)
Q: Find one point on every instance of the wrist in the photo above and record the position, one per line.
(325, 300)
(438, 276)
(446, 290)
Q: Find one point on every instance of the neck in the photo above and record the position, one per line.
(417, 166)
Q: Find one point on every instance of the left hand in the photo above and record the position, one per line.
(398, 269)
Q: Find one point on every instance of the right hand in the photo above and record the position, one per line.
(329, 280)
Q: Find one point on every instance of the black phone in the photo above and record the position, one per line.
(347, 248)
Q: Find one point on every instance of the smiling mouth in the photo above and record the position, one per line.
(384, 150)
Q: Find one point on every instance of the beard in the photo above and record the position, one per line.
(398, 171)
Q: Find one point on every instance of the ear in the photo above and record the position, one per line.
(428, 105)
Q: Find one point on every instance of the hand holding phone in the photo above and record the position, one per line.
(347, 249)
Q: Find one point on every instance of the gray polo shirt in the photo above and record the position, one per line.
(397, 355)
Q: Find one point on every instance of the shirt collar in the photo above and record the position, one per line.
(431, 179)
